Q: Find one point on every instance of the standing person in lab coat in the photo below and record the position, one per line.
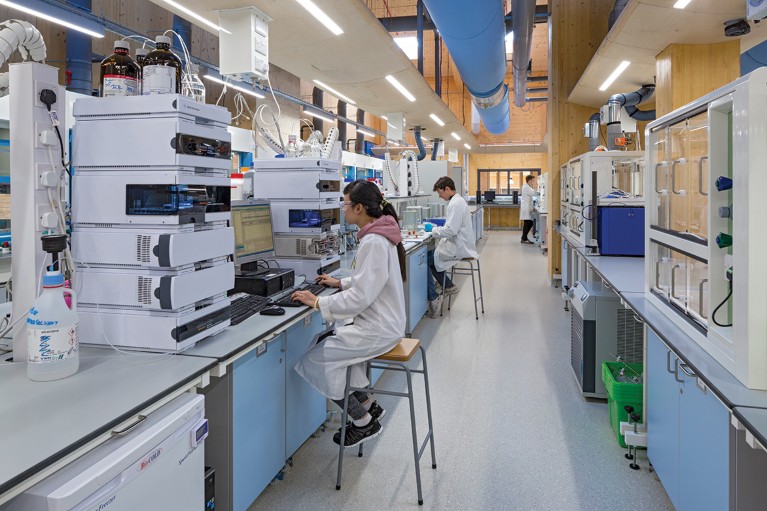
(373, 297)
(526, 206)
(455, 242)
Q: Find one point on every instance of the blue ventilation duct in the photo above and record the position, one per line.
(475, 39)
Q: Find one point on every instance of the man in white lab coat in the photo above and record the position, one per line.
(526, 206)
(455, 242)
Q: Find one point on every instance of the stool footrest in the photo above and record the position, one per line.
(373, 390)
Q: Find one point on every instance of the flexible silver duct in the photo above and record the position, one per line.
(522, 22)
(23, 36)
(592, 131)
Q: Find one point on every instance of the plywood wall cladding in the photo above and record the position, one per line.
(685, 72)
(577, 28)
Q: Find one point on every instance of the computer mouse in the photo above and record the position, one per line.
(273, 311)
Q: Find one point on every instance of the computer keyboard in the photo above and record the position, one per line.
(314, 289)
(246, 305)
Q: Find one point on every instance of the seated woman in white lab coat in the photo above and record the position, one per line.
(373, 297)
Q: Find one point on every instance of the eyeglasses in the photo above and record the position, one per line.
(346, 205)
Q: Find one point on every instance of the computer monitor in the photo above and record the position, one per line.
(489, 195)
(252, 223)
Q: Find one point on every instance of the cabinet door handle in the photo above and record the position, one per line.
(673, 174)
(668, 361)
(700, 299)
(657, 274)
(686, 370)
(676, 371)
(673, 280)
(657, 166)
(700, 175)
(123, 432)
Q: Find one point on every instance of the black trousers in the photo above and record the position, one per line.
(526, 229)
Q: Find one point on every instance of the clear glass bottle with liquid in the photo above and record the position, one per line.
(161, 73)
(120, 74)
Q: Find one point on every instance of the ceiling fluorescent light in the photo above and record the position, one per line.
(681, 4)
(618, 70)
(400, 87)
(436, 119)
(467, 146)
(50, 18)
(320, 16)
(366, 132)
(409, 45)
(196, 16)
(455, 135)
(509, 42)
(384, 118)
(318, 115)
(233, 86)
(335, 92)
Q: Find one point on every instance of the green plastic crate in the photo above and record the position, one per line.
(621, 394)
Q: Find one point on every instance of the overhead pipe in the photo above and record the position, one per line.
(522, 22)
(419, 143)
(23, 36)
(318, 98)
(592, 131)
(437, 64)
(434, 148)
(419, 35)
(360, 143)
(536, 100)
(640, 115)
(619, 101)
(341, 124)
(616, 12)
(78, 54)
(475, 39)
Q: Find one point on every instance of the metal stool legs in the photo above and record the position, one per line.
(466, 271)
(417, 450)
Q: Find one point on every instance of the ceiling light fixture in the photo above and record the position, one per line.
(335, 92)
(409, 45)
(467, 146)
(384, 118)
(455, 135)
(436, 119)
(196, 16)
(233, 86)
(681, 4)
(50, 18)
(320, 16)
(400, 87)
(618, 70)
(366, 132)
(319, 115)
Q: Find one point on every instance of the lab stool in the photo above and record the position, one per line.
(470, 270)
(396, 360)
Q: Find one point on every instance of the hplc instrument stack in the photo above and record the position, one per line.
(151, 212)
(304, 194)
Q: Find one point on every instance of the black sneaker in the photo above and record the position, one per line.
(376, 411)
(356, 435)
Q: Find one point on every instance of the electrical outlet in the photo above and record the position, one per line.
(39, 87)
(40, 128)
(42, 168)
(46, 218)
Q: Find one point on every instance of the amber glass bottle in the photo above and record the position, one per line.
(161, 73)
(120, 74)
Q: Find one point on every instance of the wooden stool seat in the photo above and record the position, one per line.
(402, 352)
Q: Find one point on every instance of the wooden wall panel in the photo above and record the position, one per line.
(504, 161)
(577, 28)
(685, 72)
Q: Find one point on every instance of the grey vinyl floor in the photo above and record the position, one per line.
(511, 429)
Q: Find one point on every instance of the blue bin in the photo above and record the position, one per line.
(436, 221)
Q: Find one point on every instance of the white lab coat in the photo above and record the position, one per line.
(526, 203)
(456, 237)
(374, 297)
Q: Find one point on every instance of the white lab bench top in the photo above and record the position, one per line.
(42, 423)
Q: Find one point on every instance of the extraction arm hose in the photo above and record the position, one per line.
(23, 36)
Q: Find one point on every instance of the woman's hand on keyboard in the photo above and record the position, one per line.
(329, 281)
(304, 297)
